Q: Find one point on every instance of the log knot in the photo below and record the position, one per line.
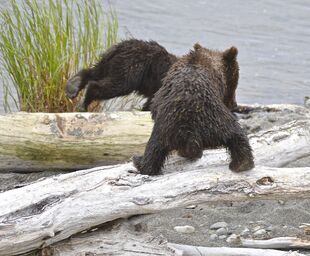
(265, 181)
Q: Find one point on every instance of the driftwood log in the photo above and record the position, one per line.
(55, 208)
(277, 243)
(188, 250)
(113, 239)
(71, 141)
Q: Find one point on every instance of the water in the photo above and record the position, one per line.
(273, 38)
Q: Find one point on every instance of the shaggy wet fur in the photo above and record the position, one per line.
(192, 112)
(130, 66)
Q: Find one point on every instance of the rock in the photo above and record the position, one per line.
(245, 232)
(222, 237)
(218, 225)
(281, 202)
(213, 237)
(222, 231)
(233, 239)
(184, 229)
(270, 228)
(261, 233)
(256, 228)
(272, 119)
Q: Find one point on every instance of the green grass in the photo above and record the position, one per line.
(43, 43)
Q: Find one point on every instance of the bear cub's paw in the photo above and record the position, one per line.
(72, 88)
(137, 162)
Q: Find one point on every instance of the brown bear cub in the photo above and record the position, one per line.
(130, 66)
(192, 112)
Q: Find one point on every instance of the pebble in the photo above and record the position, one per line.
(218, 225)
(257, 228)
(193, 206)
(213, 237)
(222, 237)
(233, 239)
(270, 228)
(281, 202)
(184, 229)
(260, 233)
(272, 119)
(222, 231)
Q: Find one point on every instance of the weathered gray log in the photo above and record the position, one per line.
(116, 239)
(277, 243)
(71, 141)
(55, 208)
(188, 250)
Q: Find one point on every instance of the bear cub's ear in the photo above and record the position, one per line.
(197, 46)
(230, 54)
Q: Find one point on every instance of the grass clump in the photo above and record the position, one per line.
(43, 43)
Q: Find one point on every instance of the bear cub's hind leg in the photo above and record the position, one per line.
(153, 159)
(241, 153)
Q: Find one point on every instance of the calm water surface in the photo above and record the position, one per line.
(273, 38)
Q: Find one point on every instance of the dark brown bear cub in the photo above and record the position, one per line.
(130, 66)
(192, 112)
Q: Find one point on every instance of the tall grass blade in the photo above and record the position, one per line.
(43, 43)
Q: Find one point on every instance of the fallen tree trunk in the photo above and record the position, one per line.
(55, 208)
(71, 141)
(276, 147)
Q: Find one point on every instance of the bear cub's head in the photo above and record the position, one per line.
(76, 83)
(225, 64)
